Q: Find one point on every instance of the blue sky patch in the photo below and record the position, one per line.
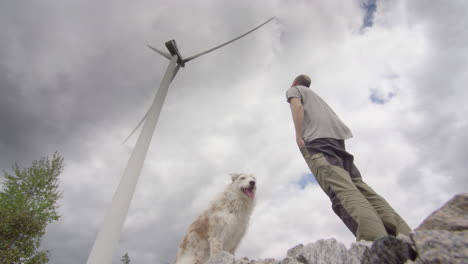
(306, 179)
(369, 6)
(378, 97)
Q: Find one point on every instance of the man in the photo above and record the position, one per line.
(320, 136)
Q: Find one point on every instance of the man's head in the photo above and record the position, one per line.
(303, 80)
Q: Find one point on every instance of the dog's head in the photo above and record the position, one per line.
(245, 183)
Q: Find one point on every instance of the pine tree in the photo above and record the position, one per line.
(28, 203)
(125, 259)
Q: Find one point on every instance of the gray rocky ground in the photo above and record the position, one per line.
(441, 238)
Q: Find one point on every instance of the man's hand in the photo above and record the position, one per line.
(300, 142)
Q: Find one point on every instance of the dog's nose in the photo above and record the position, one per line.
(252, 183)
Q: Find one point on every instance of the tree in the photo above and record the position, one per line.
(28, 203)
(125, 259)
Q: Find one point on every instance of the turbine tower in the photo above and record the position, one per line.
(108, 236)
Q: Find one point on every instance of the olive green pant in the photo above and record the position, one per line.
(366, 214)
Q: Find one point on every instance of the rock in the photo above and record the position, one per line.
(388, 250)
(290, 260)
(451, 217)
(405, 238)
(417, 261)
(243, 261)
(325, 251)
(443, 236)
(260, 261)
(269, 261)
(293, 252)
(296, 253)
(356, 252)
(442, 246)
(221, 258)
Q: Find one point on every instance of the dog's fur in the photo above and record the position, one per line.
(222, 226)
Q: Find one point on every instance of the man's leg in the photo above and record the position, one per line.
(347, 201)
(393, 223)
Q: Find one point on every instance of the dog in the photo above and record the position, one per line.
(222, 226)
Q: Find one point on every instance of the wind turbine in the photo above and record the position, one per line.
(108, 236)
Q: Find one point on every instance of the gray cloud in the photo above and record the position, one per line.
(439, 87)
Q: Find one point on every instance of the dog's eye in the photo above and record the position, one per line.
(242, 178)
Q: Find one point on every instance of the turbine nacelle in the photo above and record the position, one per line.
(171, 46)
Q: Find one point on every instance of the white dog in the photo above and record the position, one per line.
(222, 226)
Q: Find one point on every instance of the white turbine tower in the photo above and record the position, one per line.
(108, 236)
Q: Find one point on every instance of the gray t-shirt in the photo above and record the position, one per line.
(319, 119)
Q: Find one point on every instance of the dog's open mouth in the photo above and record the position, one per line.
(250, 192)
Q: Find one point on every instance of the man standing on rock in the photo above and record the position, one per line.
(320, 136)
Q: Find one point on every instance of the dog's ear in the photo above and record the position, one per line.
(234, 176)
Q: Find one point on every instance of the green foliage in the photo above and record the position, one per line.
(125, 259)
(28, 203)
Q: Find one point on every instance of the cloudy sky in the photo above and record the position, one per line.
(76, 77)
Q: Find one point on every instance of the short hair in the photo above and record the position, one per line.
(303, 80)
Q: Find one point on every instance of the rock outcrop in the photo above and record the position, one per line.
(390, 250)
(223, 257)
(329, 251)
(441, 238)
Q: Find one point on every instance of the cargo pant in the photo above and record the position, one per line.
(366, 214)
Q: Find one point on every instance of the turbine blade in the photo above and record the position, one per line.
(135, 129)
(224, 44)
(146, 114)
(165, 54)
